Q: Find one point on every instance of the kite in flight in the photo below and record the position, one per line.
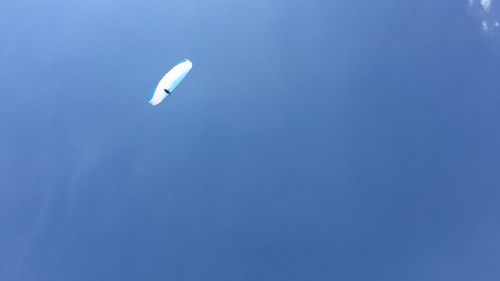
(168, 83)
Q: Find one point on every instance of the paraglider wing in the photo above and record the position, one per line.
(170, 81)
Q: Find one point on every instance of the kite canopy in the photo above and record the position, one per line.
(170, 81)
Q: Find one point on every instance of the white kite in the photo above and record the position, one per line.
(168, 83)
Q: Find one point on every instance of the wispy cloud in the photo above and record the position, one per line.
(485, 11)
(486, 4)
(485, 25)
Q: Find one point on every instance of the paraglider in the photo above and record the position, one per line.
(168, 83)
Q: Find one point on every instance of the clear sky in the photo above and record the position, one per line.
(313, 140)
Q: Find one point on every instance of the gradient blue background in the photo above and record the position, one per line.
(313, 140)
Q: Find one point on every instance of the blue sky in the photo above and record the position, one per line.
(313, 140)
